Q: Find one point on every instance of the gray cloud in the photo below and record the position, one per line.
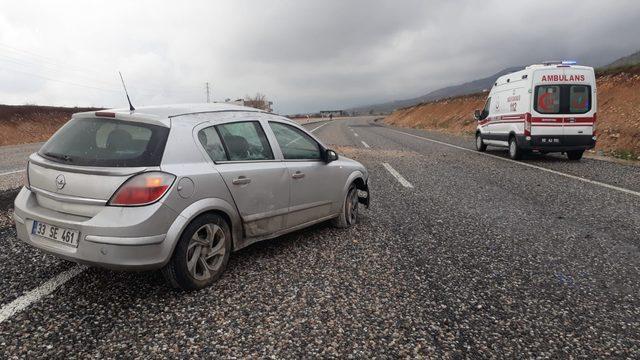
(305, 55)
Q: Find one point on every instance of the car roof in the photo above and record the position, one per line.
(161, 114)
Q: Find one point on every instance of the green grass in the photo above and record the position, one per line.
(625, 154)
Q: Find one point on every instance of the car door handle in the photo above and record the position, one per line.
(298, 175)
(241, 180)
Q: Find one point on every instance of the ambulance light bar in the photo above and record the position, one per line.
(563, 62)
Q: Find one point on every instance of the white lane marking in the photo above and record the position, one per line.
(38, 293)
(397, 175)
(612, 187)
(365, 144)
(320, 126)
(356, 134)
(11, 172)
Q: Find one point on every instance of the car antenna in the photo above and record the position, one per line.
(131, 108)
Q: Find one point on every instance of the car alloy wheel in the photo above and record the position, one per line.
(205, 252)
(351, 207)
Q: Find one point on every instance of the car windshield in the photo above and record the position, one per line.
(106, 143)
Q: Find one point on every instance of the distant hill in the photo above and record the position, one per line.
(467, 88)
(633, 59)
(20, 124)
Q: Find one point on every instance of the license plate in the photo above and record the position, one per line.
(551, 140)
(66, 236)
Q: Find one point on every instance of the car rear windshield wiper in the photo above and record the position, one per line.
(62, 157)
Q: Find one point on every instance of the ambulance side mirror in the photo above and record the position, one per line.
(477, 114)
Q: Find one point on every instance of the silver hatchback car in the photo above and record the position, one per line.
(180, 187)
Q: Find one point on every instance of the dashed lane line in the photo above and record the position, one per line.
(397, 175)
(320, 126)
(365, 144)
(21, 303)
(575, 177)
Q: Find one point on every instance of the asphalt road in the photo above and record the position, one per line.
(13, 160)
(474, 256)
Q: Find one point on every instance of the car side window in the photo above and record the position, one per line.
(294, 143)
(210, 140)
(485, 111)
(245, 141)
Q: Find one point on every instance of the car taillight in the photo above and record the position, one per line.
(527, 124)
(142, 189)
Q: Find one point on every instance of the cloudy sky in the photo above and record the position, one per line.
(304, 55)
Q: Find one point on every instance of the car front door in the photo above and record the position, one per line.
(258, 182)
(312, 190)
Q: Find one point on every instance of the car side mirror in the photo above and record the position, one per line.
(330, 156)
(477, 114)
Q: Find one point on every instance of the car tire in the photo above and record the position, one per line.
(349, 214)
(201, 255)
(575, 155)
(515, 153)
(480, 145)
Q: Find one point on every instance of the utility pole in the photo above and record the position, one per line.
(208, 93)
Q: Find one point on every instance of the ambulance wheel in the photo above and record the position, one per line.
(480, 145)
(575, 155)
(514, 151)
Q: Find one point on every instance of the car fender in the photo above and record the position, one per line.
(352, 177)
(197, 208)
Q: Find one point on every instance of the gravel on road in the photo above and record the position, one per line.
(482, 258)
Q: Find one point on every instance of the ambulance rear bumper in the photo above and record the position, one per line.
(556, 143)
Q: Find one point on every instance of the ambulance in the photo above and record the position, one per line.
(544, 108)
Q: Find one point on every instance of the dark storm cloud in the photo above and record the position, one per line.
(305, 55)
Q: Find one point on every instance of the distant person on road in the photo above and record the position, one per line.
(330, 116)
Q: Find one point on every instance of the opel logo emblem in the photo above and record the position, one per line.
(61, 181)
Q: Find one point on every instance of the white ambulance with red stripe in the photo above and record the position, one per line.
(544, 108)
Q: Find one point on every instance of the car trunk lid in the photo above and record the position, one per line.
(89, 158)
(76, 190)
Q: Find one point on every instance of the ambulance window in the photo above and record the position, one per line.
(547, 99)
(579, 96)
(485, 111)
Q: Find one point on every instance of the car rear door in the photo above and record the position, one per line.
(563, 104)
(258, 182)
(580, 118)
(313, 193)
(546, 121)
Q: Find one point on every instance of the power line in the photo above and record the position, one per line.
(62, 81)
(49, 64)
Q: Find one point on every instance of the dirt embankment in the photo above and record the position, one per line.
(20, 124)
(618, 124)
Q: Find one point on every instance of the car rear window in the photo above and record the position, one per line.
(107, 143)
(579, 99)
(548, 99)
(562, 99)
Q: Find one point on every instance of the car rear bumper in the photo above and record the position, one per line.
(116, 244)
(556, 143)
